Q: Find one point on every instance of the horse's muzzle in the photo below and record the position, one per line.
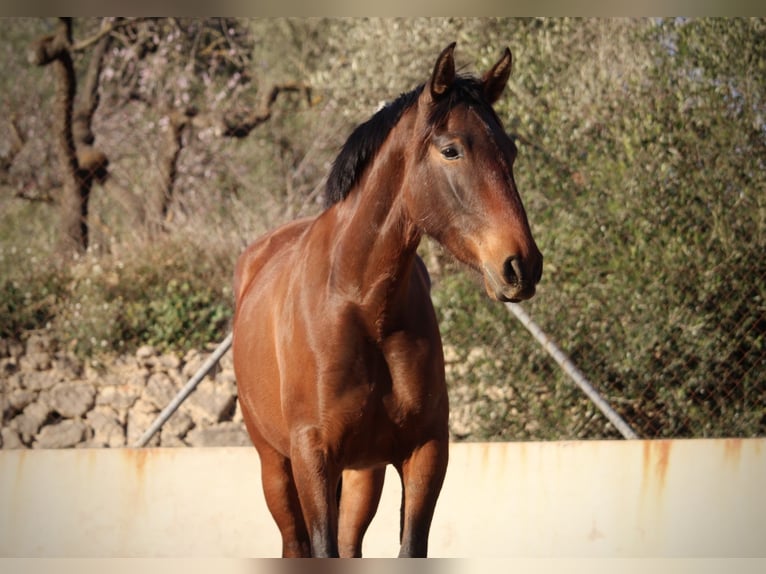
(516, 281)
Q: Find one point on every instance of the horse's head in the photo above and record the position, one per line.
(463, 193)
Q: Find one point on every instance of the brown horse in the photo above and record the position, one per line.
(337, 350)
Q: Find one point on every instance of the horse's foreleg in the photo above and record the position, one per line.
(281, 497)
(316, 480)
(359, 498)
(422, 478)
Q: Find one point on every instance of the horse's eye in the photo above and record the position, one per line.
(451, 152)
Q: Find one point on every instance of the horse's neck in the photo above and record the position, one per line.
(374, 239)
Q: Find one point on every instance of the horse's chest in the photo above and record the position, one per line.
(403, 386)
(413, 380)
(369, 398)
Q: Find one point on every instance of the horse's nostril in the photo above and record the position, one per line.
(512, 270)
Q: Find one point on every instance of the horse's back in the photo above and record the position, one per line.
(257, 255)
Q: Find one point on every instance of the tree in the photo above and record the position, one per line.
(169, 65)
(81, 164)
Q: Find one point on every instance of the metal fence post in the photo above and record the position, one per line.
(185, 391)
(571, 370)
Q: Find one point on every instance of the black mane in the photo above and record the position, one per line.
(364, 142)
(362, 145)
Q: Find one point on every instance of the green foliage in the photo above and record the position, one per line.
(185, 317)
(30, 288)
(28, 295)
(170, 298)
(650, 210)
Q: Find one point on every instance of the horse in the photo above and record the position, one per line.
(337, 351)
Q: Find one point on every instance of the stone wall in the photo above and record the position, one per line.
(51, 399)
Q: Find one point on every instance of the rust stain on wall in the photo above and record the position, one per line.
(595, 534)
(136, 474)
(523, 455)
(485, 457)
(137, 460)
(732, 451)
(19, 478)
(655, 462)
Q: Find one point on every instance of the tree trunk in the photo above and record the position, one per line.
(80, 163)
(161, 197)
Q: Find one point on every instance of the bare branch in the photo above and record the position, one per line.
(238, 127)
(52, 47)
(107, 28)
(27, 194)
(89, 98)
(161, 198)
(16, 144)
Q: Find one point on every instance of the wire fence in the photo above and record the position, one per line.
(677, 371)
(705, 377)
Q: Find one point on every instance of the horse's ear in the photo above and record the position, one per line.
(444, 72)
(494, 80)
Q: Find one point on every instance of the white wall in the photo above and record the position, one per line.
(679, 498)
